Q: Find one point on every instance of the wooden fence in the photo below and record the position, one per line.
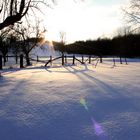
(63, 58)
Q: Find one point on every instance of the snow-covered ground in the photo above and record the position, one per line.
(71, 102)
(45, 50)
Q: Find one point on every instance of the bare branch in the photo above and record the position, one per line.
(1, 8)
(14, 10)
(11, 7)
(22, 6)
(26, 9)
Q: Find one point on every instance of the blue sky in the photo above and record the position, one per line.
(87, 19)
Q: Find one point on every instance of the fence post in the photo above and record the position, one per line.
(21, 61)
(73, 60)
(37, 58)
(0, 62)
(101, 59)
(7, 58)
(65, 59)
(120, 60)
(125, 61)
(62, 59)
(89, 59)
(16, 59)
(114, 64)
(82, 59)
(51, 60)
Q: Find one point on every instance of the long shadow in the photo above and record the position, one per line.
(68, 69)
(113, 92)
(74, 70)
(9, 71)
(106, 87)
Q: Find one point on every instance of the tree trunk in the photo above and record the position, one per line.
(4, 58)
(62, 59)
(73, 62)
(28, 63)
(21, 61)
(101, 60)
(89, 59)
(0, 62)
(16, 59)
(120, 60)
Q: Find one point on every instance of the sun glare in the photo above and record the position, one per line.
(80, 21)
(49, 37)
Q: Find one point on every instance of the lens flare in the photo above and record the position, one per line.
(83, 102)
(97, 127)
(99, 131)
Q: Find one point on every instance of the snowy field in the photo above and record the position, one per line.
(71, 102)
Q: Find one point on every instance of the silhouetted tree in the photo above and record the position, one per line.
(122, 46)
(30, 37)
(62, 35)
(15, 44)
(4, 42)
(132, 12)
(12, 11)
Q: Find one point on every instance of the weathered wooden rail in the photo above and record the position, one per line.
(63, 60)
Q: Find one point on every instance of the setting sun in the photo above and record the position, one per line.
(49, 36)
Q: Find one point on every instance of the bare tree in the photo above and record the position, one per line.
(123, 31)
(132, 12)
(61, 45)
(15, 45)
(4, 42)
(62, 36)
(30, 37)
(12, 11)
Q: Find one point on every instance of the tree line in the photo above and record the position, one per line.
(124, 46)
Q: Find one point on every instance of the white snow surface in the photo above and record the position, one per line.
(38, 103)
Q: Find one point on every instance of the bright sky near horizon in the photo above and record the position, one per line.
(84, 19)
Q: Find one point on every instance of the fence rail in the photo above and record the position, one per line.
(63, 59)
